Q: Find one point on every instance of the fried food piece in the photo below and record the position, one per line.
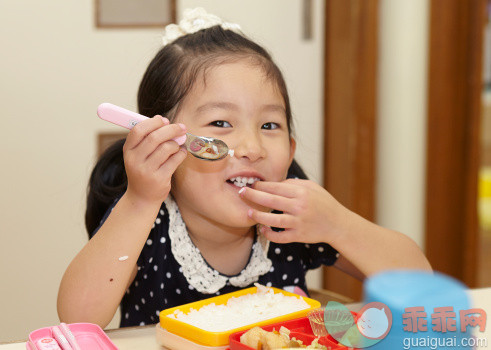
(271, 341)
(252, 337)
(259, 339)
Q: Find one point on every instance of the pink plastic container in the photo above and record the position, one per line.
(88, 336)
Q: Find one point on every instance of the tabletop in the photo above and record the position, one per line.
(144, 337)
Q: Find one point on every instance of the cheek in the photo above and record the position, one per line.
(280, 161)
(183, 179)
(194, 175)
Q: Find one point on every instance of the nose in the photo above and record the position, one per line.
(249, 145)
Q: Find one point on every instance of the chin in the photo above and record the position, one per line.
(235, 216)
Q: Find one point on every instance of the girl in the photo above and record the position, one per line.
(177, 229)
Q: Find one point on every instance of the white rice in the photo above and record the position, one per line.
(241, 311)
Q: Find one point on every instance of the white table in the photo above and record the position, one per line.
(144, 337)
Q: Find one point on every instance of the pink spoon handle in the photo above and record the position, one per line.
(125, 118)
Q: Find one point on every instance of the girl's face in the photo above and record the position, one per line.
(237, 103)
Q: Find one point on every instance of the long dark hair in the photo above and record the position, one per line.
(167, 80)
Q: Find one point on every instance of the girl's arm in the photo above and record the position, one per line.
(372, 248)
(97, 278)
(346, 266)
(312, 215)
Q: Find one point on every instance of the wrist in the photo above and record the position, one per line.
(140, 202)
(344, 226)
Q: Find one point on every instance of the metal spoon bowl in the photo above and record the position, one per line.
(206, 148)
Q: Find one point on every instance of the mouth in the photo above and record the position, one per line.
(243, 181)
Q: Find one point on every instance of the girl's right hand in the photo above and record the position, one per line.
(150, 157)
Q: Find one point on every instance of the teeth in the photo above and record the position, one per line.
(240, 181)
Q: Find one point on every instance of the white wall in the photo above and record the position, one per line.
(55, 68)
(487, 52)
(403, 56)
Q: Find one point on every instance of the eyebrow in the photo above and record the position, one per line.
(233, 107)
(274, 108)
(217, 105)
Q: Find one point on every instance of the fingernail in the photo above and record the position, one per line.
(183, 127)
(165, 120)
(249, 213)
(261, 229)
(242, 190)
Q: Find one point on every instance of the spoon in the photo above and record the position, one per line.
(206, 148)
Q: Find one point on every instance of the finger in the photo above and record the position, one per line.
(162, 153)
(303, 183)
(163, 134)
(269, 219)
(284, 189)
(173, 162)
(286, 236)
(144, 128)
(268, 200)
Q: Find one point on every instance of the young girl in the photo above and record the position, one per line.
(167, 228)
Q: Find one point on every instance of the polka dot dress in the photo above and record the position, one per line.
(160, 284)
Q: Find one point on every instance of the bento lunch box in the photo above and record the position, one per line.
(88, 336)
(217, 339)
(173, 341)
(299, 328)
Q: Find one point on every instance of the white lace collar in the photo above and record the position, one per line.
(198, 273)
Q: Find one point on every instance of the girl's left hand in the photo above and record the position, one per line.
(310, 213)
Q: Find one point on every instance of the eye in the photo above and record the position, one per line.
(221, 124)
(270, 126)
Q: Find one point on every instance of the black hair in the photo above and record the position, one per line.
(107, 182)
(167, 80)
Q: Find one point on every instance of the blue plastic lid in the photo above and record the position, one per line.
(402, 289)
(405, 288)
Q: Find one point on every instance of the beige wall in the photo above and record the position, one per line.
(55, 68)
(486, 125)
(401, 153)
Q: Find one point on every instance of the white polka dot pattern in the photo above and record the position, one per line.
(161, 283)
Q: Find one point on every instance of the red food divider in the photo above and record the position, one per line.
(299, 328)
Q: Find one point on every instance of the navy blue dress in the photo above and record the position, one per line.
(160, 283)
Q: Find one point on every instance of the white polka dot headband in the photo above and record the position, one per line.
(193, 21)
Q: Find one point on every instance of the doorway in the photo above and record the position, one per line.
(453, 141)
(454, 117)
(484, 189)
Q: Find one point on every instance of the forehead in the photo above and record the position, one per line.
(235, 82)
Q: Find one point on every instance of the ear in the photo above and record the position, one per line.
(293, 146)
